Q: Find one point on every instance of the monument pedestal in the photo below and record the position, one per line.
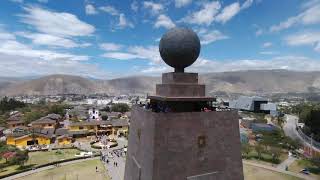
(183, 142)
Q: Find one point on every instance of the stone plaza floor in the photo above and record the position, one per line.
(115, 172)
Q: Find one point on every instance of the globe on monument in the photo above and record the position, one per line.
(179, 48)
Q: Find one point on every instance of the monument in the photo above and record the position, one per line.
(179, 135)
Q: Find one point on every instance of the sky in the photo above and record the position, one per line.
(107, 39)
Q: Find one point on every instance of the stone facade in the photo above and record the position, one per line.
(184, 145)
(198, 145)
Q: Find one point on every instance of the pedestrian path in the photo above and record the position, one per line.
(114, 163)
(286, 163)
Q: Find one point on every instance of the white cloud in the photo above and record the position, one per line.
(206, 15)
(15, 48)
(110, 46)
(228, 12)
(21, 66)
(18, 59)
(90, 9)
(267, 44)
(164, 21)
(317, 47)
(123, 22)
(305, 38)
(120, 56)
(17, 1)
(310, 3)
(154, 8)
(210, 13)
(203, 65)
(56, 23)
(296, 63)
(181, 3)
(134, 6)
(308, 17)
(259, 32)
(246, 4)
(150, 53)
(49, 40)
(268, 52)
(110, 10)
(6, 35)
(155, 70)
(43, 1)
(210, 36)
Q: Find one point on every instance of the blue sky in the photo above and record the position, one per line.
(112, 38)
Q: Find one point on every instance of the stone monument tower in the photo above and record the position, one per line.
(179, 135)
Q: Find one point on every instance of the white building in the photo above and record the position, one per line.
(94, 114)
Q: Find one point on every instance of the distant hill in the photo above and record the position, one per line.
(242, 82)
(51, 85)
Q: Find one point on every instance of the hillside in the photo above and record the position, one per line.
(243, 82)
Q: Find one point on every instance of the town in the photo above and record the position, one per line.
(160, 90)
(50, 130)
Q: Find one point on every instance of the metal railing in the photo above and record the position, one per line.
(308, 139)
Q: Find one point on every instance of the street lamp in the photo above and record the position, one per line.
(311, 145)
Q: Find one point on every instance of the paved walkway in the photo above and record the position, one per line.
(46, 168)
(286, 163)
(278, 170)
(116, 172)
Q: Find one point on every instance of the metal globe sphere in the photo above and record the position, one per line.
(179, 48)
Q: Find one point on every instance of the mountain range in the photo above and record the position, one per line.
(251, 82)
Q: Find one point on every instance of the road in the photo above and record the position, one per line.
(290, 130)
(289, 127)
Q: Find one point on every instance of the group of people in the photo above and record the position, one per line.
(117, 152)
(157, 107)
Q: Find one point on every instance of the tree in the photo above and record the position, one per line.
(7, 104)
(246, 149)
(120, 107)
(21, 157)
(57, 109)
(259, 149)
(275, 152)
(104, 117)
(8, 155)
(280, 121)
(32, 116)
(313, 123)
(106, 109)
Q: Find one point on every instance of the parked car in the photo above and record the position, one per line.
(305, 171)
(82, 154)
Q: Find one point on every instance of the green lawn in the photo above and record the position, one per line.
(83, 170)
(256, 173)
(86, 170)
(8, 170)
(301, 164)
(43, 157)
